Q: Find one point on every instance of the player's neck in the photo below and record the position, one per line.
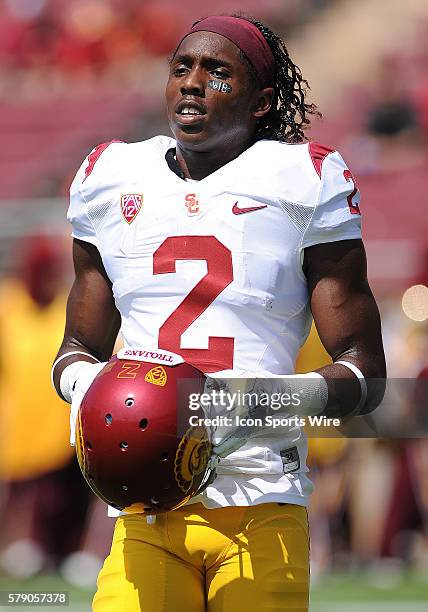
(199, 164)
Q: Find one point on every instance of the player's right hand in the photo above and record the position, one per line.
(84, 378)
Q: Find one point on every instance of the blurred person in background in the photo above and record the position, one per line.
(405, 530)
(236, 105)
(392, 119)
(391, 138)
(41, 480)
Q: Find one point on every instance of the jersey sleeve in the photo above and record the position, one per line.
(77, 214)
(336, 215)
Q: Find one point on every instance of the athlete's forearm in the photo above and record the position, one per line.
(343, 389)
(92, 320)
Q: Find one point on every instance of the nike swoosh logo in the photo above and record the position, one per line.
(241, 211)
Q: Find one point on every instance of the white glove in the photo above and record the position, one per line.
(83, 376)
(254, 397)
(229, 403)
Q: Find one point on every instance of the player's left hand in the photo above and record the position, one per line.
(245, 399)
(231, 402)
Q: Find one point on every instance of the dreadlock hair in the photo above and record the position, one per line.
(288, 116)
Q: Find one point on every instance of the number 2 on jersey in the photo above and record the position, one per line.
(219, 354)
(353, 207)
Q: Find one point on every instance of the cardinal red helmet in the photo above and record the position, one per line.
(135, 446)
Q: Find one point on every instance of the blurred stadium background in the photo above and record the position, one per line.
(74, 73)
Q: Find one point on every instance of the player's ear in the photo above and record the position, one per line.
(263, 102)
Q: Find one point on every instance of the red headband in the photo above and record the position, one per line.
(247, 37)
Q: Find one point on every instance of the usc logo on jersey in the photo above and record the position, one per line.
(191, 204)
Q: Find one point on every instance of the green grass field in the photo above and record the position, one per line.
(335, 593)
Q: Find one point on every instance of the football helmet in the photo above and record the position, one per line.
(134, 442)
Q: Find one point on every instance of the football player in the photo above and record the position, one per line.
(219, 245)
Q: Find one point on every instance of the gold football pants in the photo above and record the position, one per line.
(253, 559)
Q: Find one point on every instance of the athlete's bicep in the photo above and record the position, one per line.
(344, 309)
(92, 320)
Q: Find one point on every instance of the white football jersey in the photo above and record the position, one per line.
(212, 270)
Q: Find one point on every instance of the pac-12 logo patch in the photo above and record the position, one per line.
(156, 376)
(131, 204)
